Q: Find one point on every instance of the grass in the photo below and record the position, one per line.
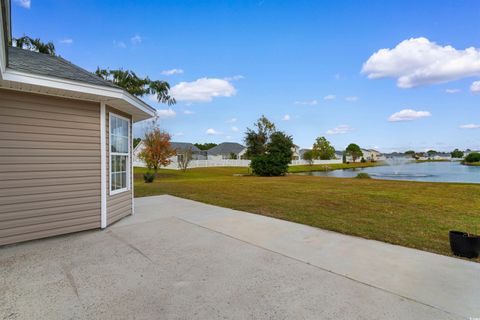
(474, 164)
(432, 160)
(412, 214)
(335, 166)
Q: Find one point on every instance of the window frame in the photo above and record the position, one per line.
(112, 115)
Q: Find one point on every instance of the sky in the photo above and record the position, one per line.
(389, 75)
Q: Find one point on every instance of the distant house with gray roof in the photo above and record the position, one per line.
(226, 150)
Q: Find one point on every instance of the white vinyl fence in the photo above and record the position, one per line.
(232, 163)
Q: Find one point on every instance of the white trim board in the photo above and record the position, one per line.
(103, 165)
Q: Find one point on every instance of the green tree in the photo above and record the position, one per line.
(277, 156)
(354, 151)
(323, 150)
(410, 153)
(37, 45)
(257, 139)
(309, 156)
(205, 146)
(136, 141)
(456, 154)
(137, 86)
(472, 157)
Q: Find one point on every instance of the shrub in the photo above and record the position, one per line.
(473, 157)
(363, 160)
(269, 165)
(148, 177)
(363, 175)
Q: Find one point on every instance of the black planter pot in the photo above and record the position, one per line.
(464, 245)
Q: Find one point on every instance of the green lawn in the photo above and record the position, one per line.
(412, 214)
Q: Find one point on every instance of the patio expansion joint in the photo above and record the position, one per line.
(322, 269)
(131, 246)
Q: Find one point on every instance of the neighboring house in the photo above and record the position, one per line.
(338, 154)
(372, 155)
(296, 152)
(227, 150)
(180, 148)
(65, 142)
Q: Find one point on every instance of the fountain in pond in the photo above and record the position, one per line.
(396, 169)
(397, 163)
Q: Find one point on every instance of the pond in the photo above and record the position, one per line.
(427, 171)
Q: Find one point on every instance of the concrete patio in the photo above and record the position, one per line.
(180, 259)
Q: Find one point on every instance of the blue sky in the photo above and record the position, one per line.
(298, 62)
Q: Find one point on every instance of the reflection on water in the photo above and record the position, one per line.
(427, 171)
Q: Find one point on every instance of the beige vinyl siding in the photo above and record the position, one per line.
(118, 205)
(49, 166)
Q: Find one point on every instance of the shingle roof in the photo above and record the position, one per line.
(47, 65)
(181, 146)
(226, 148)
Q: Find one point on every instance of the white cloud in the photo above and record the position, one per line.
(307, 102)
(341, 129)
(232, 120)
(203, 90)
(24, 3)
(136, 39)
(408, 115)
(475, 87)
(172, 72)
(286, 117)
(452, 90)
(188, 112)
(234, 78)
(418, 61)
(470, 126)
(119, 44)
(66, 41)
(330, 97)
(351, 99)
(234, 129)
(166, 113)
(213, 132)
(178, 134)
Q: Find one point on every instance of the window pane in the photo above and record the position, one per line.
(118, 135)
(123, 166)
(124, 128)
(113, 181)
(124, 179)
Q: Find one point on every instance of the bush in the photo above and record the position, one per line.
(148, 177)
(363, 160)
(269, 165)
(473, 157)
(363, 175)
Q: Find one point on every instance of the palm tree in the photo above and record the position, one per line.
(137, 86)
(37, 45)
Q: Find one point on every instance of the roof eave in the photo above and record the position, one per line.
(24, 81)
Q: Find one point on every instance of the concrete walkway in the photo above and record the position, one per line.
(180, 259)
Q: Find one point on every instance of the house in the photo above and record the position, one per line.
(372, 155)
(65, 142)
(296, 152)
(226, 150)
(180, 148)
